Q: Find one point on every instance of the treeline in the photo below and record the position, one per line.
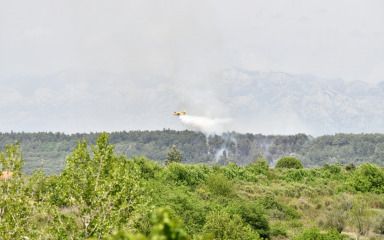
(102, 195)
(344, 149)
(49, 150)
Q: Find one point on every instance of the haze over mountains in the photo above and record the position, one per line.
(128, 65)
(304, 103)
(258, 102)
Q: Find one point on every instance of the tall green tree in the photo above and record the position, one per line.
(102, 186)
(174, 155)
(15, 209)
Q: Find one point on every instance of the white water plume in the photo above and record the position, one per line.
(205, 124)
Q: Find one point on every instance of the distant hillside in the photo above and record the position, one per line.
(49, 150)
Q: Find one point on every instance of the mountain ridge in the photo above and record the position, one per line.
(327, 106)
(259, 102)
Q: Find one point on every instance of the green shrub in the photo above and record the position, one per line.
(368, 178)
(233, 171)
(334, 172)
(163, 227)
(334, 169)
(186, 174)
(177, 172)
(335, 218)
(182, 201)
(278, 210)
(188, 207)
(223, 226)
(315, 234)
(261, 166)
(295, 224)
(298, 175)
(350, 167)
(379, 223)
(252, 213)
(278, 230)
(361, 216)
(148, 168)
(219, 185)
(289, 162)
(124, 235)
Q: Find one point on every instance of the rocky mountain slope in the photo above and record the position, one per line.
(306, 103)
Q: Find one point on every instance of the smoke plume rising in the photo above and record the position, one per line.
(205, 124)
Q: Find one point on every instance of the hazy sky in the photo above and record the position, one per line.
(185, 42)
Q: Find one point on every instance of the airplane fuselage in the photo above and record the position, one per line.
(180, 113)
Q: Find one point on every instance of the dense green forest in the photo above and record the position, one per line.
(104, 195)
(49, 150)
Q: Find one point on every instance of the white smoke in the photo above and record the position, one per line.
(205, 124)
(220, 153)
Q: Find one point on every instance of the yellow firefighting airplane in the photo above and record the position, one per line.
(180, 113)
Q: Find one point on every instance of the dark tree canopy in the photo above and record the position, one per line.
(289, 162)
(49, 150)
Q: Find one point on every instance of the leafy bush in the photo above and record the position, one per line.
(278, 210)
(220, 185)
(278, 230)
(233, 171)
(190, 175)
(334, 169)
(252, 213)
(147, 167)
(289, 162)
(163, 227)
(336, 215)
(350, 167)
(177, 172)
(315, 234)
(368, 178)
(334, 172)
(188, 207)
(379, 223)
(124, 235)
(261, 166)
(336, 219)
(361, 216)
(222, 226)
(298, 175)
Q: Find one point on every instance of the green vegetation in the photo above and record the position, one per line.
(344, 149)
(102, 195)
(289, 162)
(315, 234)
(174, 155)
(368, 178)
(49, 150)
